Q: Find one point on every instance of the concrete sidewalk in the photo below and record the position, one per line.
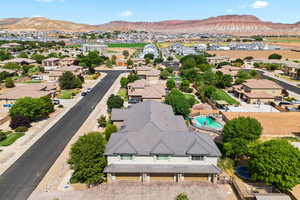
(11, 153)
(59, 174)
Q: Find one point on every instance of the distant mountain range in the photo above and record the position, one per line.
(228, 24)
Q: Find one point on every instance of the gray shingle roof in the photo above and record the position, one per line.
(152, 128)
(157, 168)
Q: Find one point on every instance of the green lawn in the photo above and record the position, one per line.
(221, 95)
(68, 94)
(32, 81)
(130, 45)
(123, 93)
(11, 138)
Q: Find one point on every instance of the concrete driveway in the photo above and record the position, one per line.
(136, 191)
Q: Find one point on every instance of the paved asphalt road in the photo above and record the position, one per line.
(19, 181)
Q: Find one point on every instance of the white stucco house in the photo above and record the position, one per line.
(153, 144)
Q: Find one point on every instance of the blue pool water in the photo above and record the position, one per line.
(207, 122)
(243, 172)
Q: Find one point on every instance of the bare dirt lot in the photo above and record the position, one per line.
(137, 191)
(287, 54)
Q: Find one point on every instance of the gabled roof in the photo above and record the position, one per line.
(152, 128)
(161, 148)
(197, 149)
(125, 148)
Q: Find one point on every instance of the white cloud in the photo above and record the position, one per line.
(259, 4)
(126, 13)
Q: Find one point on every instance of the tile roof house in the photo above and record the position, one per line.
(142, 90)
(21, 61)
(154, 144)
(51, 64)
(256, 91)
(54, 75)
(147, 73)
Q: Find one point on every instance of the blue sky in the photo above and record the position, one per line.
(101, 11)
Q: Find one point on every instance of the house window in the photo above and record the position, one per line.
(126, 157)
(162, 157)
(197, 158)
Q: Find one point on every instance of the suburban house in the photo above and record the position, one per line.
(217, 59)
(20, 61)
(292, 70)
(54, 75)
(150, 49)
(142, 90)
(230, 70)
(153, 144)
(147, 73)
(51, 64)
(23, 90)
(67, 61)
(256, 91)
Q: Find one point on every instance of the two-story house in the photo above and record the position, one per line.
(147, 73)
(256, 91)
(50, 64)
(142, 90)
(153, 144)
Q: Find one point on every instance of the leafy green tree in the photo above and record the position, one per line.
(129, 62)
(182, 196)
(171, 84)
(47, 104)
(4, 75)
(236, 147)
(243, 127)
(184, 85)
(275, 56)
(23, 55)
(110, 129)
(9, 83)
(238, 133)
(69, 81)
(164, 74)
(179, 103)
(38, 58)
(242, 76)
(276, 162)
(4, 55)
(102, 121)
(149, 56)
(132, 77)
(92, 59)
(115, 101)
(32, 108)
(12, 65)
(125, 53)
(124, 82)
(87, 159)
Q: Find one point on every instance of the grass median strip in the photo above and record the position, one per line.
(11, 138)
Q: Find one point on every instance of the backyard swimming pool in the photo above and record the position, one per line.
(206, 122)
